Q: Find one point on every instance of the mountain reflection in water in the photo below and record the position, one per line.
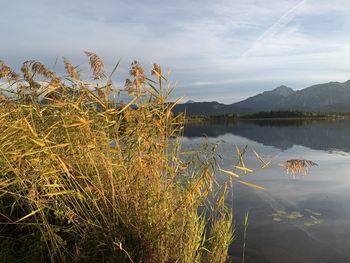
(282, 134)
(304, 219)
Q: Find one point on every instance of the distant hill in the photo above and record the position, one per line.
(327, 97)
(267, 101)
(206, 108)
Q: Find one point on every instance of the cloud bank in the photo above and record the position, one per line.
(217, 50)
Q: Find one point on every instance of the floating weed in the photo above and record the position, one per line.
(277, 219)
(308, 218)
(313, 221)
(294, 215)
(313, 212)
(297, 166)
(279, 215)
(281, 212)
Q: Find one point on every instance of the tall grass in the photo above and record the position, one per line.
(84, 179)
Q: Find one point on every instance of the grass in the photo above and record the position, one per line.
(245, 224)
(84, 179)
(297, 166)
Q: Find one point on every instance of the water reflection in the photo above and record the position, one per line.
(317, 135)
(304, 220)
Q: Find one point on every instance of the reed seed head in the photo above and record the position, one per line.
(7, 72)
(157, 70)
(40, 69)
(96, 65)
(71, 70)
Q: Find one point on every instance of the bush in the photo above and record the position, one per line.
(85, 179)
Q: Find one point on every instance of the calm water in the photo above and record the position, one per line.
(302, 219)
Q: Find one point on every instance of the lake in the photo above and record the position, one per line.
(303, 218)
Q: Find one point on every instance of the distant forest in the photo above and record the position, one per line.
(292, 114)
(281, 114)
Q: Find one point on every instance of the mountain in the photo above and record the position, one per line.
(266, 101)
(205, 108)
(282, 90)
(327, 97)
(333, 96)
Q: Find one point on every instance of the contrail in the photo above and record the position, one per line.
(285, 19)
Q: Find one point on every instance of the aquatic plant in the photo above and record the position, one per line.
(307, 217)
(297, 166)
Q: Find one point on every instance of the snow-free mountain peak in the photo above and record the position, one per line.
(281, 91)
(326, 97)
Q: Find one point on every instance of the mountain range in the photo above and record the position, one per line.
(327, 97)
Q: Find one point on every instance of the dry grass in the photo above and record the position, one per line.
(85, 180)
(71, 70)
(297, 166)
(96, 65)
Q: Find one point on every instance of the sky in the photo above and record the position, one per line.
(214, 50)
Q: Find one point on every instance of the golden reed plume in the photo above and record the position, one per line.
(96, 65)
(70, 69)
(297, 166)
(7, 72)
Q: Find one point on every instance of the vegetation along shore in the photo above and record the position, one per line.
(85, 179)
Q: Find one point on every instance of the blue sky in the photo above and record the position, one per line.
(216, 50)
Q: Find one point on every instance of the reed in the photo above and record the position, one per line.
(297, 166)
(84, 179)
